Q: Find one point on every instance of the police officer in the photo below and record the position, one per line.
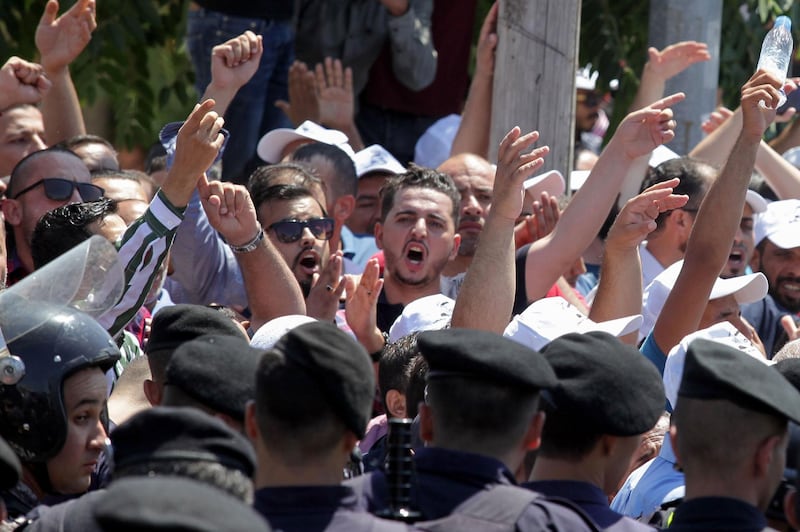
(480, 418)
(314, 394)
(607, 396)
(54, 391)
(730, 437)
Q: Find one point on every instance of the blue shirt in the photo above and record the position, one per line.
(653, 353)
(650, 486)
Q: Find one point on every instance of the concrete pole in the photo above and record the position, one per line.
(672, 21)
(534, 80)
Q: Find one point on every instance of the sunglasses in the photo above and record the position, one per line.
(289, 231)
(59, 189)
(590, 99)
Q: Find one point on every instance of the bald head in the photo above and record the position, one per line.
(474, 179)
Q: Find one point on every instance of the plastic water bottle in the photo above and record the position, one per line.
(776, 51)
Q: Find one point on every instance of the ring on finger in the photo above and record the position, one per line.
(329, 288)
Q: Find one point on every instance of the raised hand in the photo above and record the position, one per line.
(676, 58)
(716, 119)
(235, 61)
(637, 218)
(230, 210)
(513, 167)
(303, 101)
(760, 97)
(644, 130)
(21, 82)
(487, 43)
(361, 306)
(335, 94)
(326, 290)
(60, 40)
(539, 224)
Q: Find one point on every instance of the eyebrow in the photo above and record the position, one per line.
(86, 401)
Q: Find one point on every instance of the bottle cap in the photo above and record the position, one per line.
(784, 21)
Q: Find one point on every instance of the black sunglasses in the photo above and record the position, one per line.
(289, 231)
(60, 189)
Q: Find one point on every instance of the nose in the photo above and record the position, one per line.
(307, 237)
(420, 229)
(471, 206)
(76, 195)
(98, 436)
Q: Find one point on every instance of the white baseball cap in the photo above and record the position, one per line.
(429, 313)
(661, 154)
(586, 78)
(780, 222)
(723, 333)
(433, 147)
(551, 182)
(268, 334)
(551, 317)
(745, 288)
(376, 158)
(272, 144)
(756, 201)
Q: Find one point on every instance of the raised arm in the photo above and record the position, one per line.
(233, 63)
(619, 292)
(334, 89)
(636, 136)
(663, 65)
(486, 298)
(473, 132)
(272, 289)
(59, 41)
(413, 55)
(22, 82)
(717, 220)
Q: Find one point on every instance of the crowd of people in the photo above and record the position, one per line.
(322, 307)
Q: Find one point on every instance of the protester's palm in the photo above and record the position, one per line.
(60, 40)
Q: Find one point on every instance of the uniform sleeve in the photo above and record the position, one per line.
(413, 54)
(205, 267)
(141, 252)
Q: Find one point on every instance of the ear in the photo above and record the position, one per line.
(250, 422)
(533, 437)
(456, 244)
(789, 501)
(12, 211)
(673, 439)
(755, 260)
(344, 207)
(396, 404)
(379, 235)
(765, 454)
(153, 392)
(425, 423)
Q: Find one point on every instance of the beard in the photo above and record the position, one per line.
(468, 246)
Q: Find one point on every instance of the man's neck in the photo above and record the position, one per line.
(458, 265)
(23, 250)
(666, 253)
(276, 473)
(401, 293)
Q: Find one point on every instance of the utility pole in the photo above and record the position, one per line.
(673, 21)
(534, 78)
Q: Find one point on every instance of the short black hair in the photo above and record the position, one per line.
(346, 181)
(20, 171)
(416, 373)
(156, 158)
(264, 177)
(696, 177)
(284, 193)
(393, 364)
(63, 228)
(419, 177)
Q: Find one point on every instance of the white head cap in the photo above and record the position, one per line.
(268, 334)
(272, 144)
(427, 313)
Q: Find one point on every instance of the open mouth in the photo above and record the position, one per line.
(308, 262)
(415, 253)
(736, 256)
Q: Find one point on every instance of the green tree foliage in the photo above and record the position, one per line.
(135, 60)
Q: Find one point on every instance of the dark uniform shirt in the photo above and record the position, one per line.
(717, 513)
(588, 498)
(313, 508)
(387, 312)
(765, 317)
(446, 478)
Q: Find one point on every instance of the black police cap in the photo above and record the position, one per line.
(790, 369)
(172, 504)
(180, 434)
(604, 386)
(336, 365)
(484, 356)
(716, 371)
(177, 324)
(216, 371)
